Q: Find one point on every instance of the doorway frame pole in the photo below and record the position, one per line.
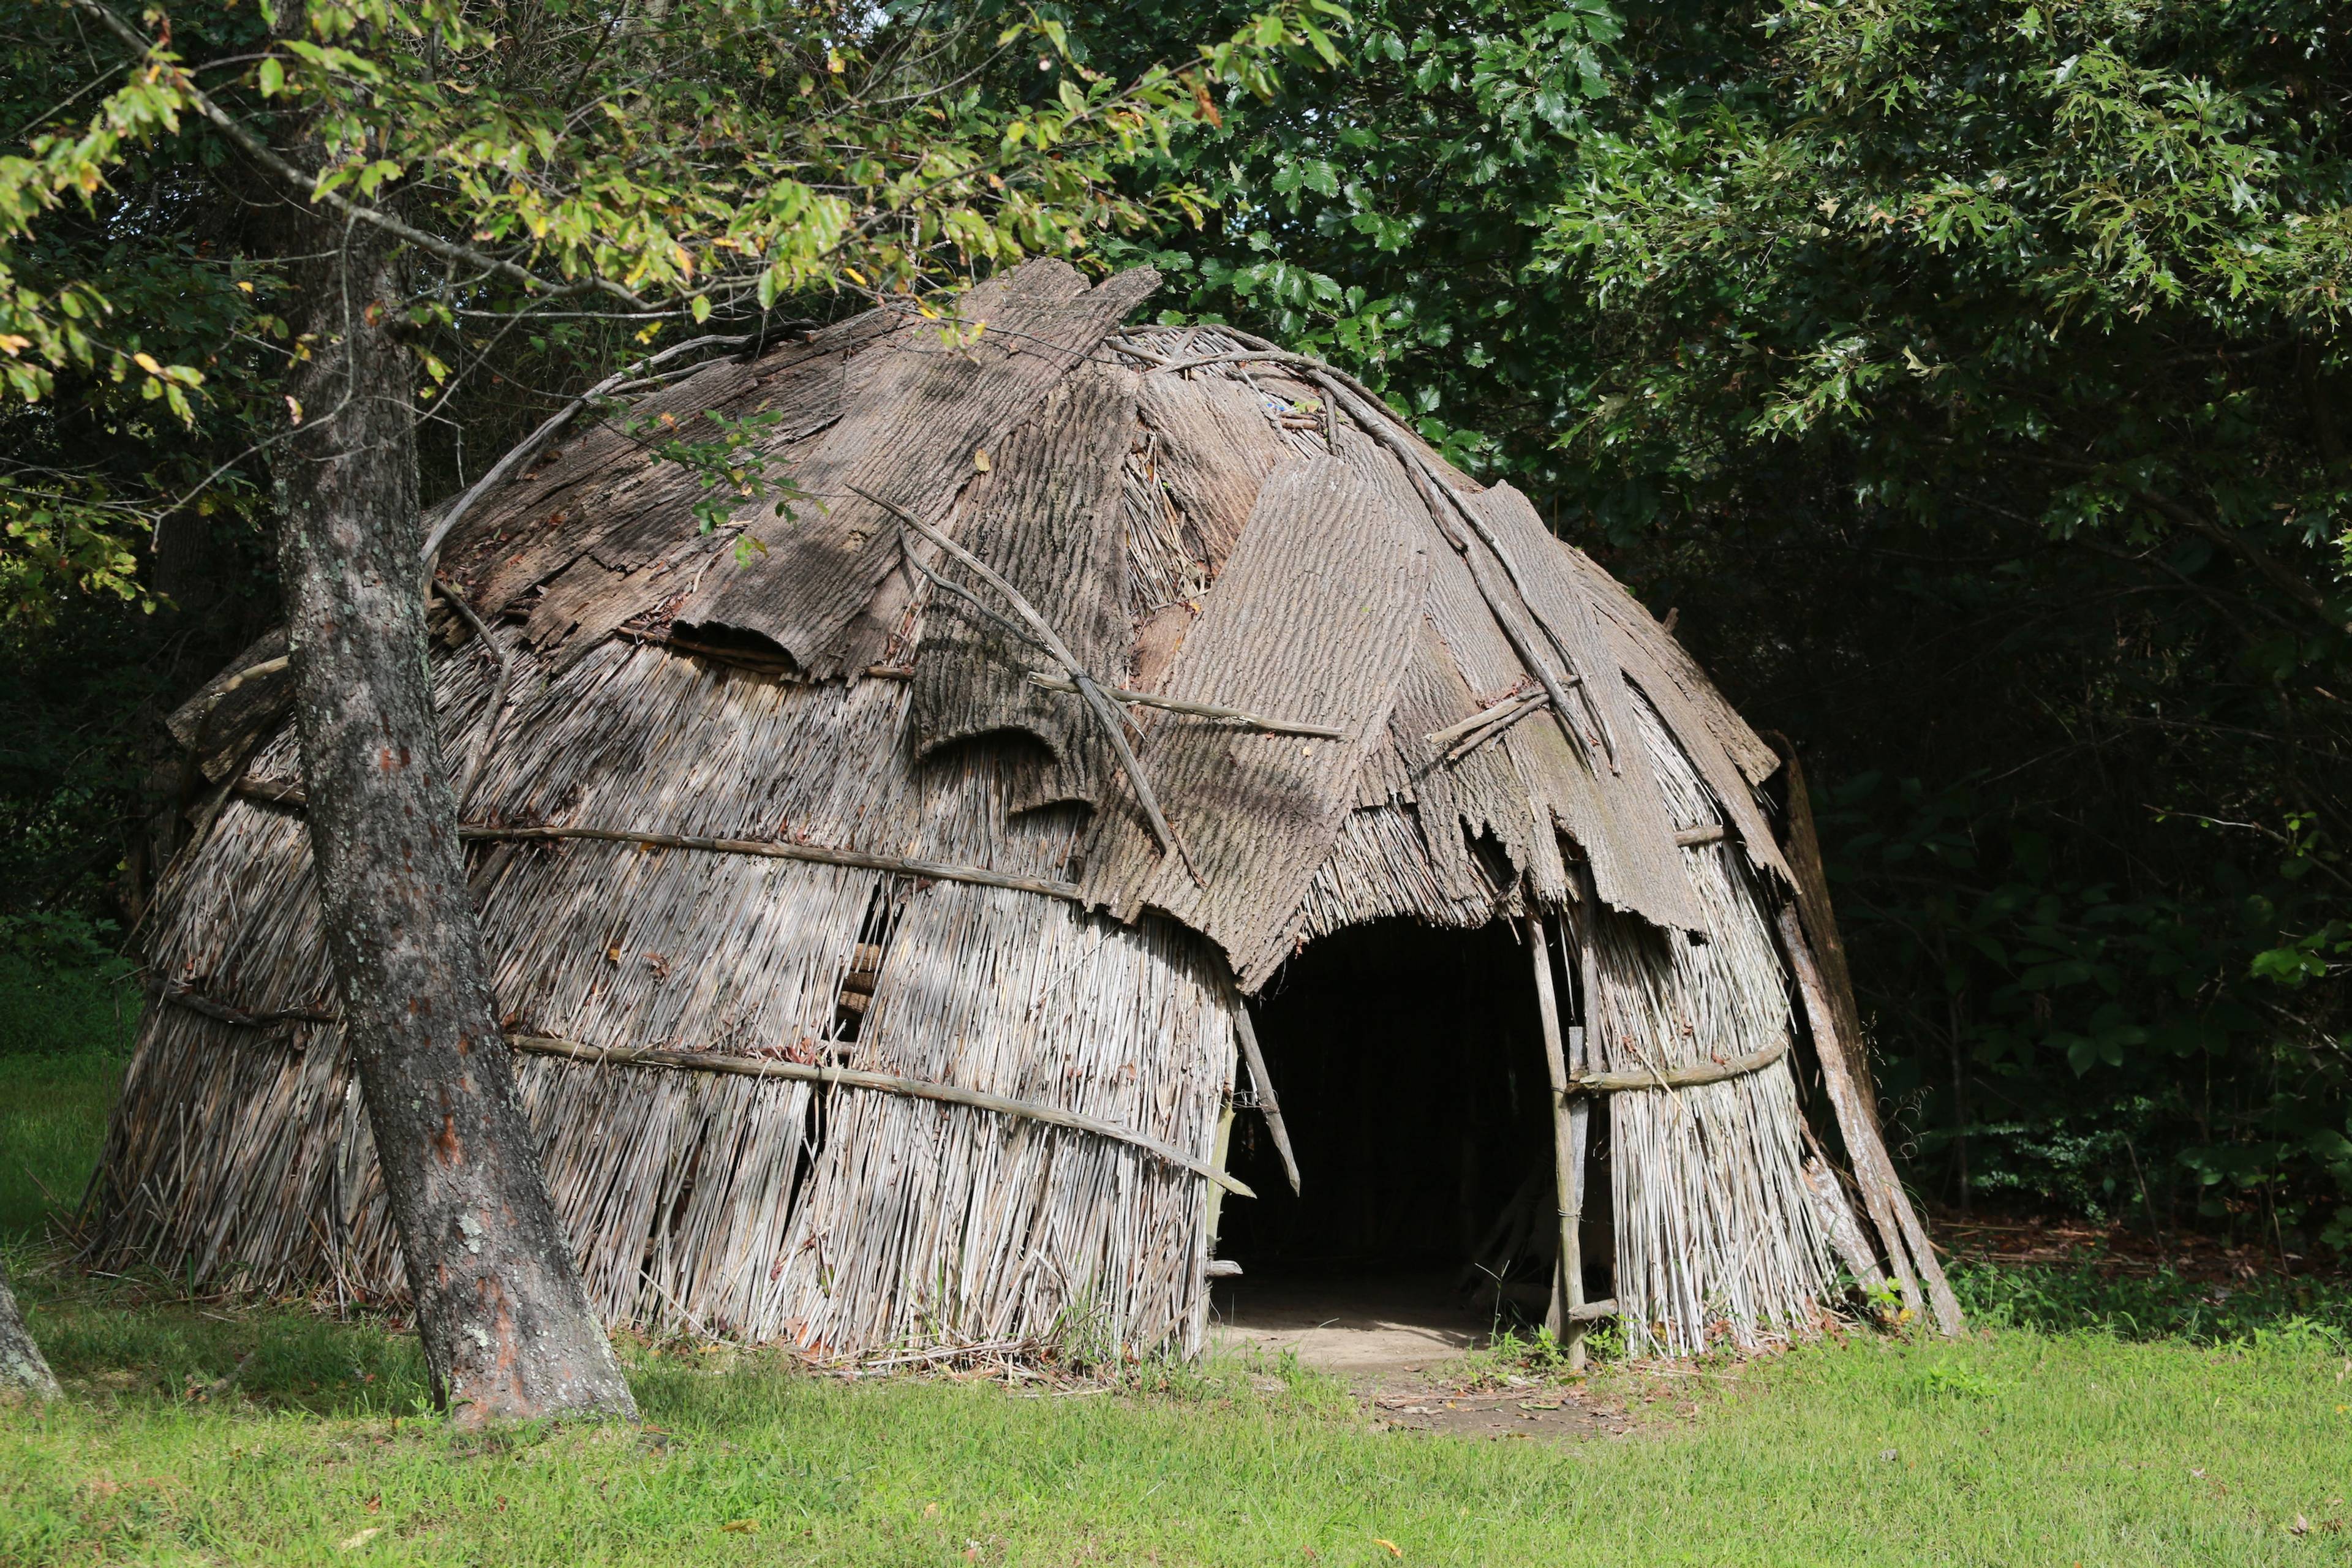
(1268, 1105)
(1568, 1127)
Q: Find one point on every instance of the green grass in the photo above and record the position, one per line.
(64, 1037)
(2177, 1427)
(2016, 1447)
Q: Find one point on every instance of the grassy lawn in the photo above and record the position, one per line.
(2179, 1430)
(64, 1038)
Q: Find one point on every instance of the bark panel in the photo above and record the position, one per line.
(1299, 631)
(1046, 518)
(600, 491)
(917, 414)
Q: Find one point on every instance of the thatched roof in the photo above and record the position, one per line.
(1217, 535)
(780, 794)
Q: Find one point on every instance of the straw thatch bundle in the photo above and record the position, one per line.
(810, 798)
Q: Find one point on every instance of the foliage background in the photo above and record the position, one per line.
(1963, 380)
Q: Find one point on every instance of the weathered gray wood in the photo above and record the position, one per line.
(501, 1313)
(1216, 1204)
(1659, 665)
(1568, 1281)
(1214, 450)
(877, 1082)
(1257, 721)
(602, 492)
(766, 849)
(24, 1372)
(1643, 871)
(1484, 793)
(1270, 1105)
(1034, 629)
(1818, 916)
(1458, 802)
(448, 518)
(1904, 1239)
(1839, 1223)
(911, 435)
(1046, 517)
(236, 708)
(1294, 627)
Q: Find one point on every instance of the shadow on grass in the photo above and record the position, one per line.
(2088, 1295)
(125, 1340)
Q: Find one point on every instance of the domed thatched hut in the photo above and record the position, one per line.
(874, 892)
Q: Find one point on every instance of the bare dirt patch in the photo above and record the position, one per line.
(1410, 1351)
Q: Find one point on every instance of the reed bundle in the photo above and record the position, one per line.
(1716, 1235)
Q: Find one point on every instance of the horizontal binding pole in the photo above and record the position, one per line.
(770, 849)
(754, 1066)
(1197, 710)
(1713, 832)
(883, 1083)
(1678, 1077)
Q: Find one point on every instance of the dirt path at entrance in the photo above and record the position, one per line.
(1403, 1347)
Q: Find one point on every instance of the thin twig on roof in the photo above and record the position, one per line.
(1047, 637)
(1198, 710)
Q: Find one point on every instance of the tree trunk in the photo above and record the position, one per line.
(22, 1371)
(504, 1320)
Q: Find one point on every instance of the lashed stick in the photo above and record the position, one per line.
(1045, 636)
(1498, 724)
(885, 1083)
(1678, 1078)
(772, 849)
(1268, 1106)
(1197, 710)
(757, 1067)
(1441, 739)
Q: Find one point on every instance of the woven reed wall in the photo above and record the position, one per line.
(1717, 1237)
(841, 1220)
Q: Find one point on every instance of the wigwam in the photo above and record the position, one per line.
(874, 891)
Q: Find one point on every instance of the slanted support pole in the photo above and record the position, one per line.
(1268, 1105)
(1569, 1122)
(1898, 1223)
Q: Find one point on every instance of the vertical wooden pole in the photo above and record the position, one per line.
(1579, 1127)
(1588, 1058)
(1217, 1162)
(1568, 1153)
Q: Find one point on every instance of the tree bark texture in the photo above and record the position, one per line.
(506, 1326)
(24, 1373)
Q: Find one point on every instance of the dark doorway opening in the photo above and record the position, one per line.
(1410, 1066)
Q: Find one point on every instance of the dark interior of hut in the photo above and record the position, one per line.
(1409, 1067)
